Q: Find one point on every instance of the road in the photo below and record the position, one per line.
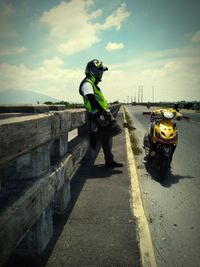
(173, 208)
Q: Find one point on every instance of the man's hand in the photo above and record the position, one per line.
(107, 114)
(102, 118)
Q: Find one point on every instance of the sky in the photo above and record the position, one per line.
(149, 44)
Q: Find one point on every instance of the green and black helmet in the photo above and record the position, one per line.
(94, 70)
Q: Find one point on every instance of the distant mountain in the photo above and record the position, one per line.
(14, 96)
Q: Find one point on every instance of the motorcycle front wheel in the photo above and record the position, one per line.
(164, 167)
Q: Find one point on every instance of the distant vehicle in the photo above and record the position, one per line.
(148, 105)
(176, 107)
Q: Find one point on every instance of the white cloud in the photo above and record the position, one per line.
(89, 3)
(114, 46)
(181, 85)
(72, 34)
(174, 74)
(81, 32)
(116, 19)
(49, 78)
(52, 64)
(74, 45)
(12, 51)
(196, 37)
(96, 13)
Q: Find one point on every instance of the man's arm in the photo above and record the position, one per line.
(87, 91)
(94, 103)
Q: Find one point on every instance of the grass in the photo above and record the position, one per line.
(151, 219)
(134, 142)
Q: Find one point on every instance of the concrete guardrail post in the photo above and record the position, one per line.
(38, 236)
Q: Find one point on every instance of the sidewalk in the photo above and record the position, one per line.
(100, 229)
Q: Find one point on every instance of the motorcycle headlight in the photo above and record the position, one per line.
(169, 115)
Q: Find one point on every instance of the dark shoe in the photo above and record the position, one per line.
(113, 164)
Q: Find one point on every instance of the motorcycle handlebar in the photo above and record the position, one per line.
(149, 113)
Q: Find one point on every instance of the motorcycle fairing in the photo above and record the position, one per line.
(164, 132)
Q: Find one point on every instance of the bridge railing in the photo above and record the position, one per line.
(37, 163)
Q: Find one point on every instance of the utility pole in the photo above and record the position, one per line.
(138, 94)
(153, 94)
(127, 99)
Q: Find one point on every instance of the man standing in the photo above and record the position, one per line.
(102, 122)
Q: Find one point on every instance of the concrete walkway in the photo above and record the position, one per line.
(100, 229)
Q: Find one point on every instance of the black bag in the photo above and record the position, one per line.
(107, 125)
(101, 120)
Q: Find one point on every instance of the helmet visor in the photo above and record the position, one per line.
(98, 73)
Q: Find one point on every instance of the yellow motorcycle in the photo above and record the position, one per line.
(161, 140)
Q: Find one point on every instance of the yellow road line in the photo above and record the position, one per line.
(145, 241)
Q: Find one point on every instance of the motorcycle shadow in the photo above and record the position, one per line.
(170, 178)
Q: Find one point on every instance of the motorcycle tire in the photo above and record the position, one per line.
(164, 167)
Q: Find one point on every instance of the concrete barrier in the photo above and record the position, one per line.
(37, 164)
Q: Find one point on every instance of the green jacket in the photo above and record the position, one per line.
(98, 95)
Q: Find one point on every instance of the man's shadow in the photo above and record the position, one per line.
(87, 170)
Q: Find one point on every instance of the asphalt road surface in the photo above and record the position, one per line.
(173, 207)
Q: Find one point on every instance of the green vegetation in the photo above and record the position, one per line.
(134, 142)
(128, 119)
(151, 219)
(67, 104)
(72, 105)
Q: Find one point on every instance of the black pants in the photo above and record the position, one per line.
(105, 135)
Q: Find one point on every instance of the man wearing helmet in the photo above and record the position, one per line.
(102, 122)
